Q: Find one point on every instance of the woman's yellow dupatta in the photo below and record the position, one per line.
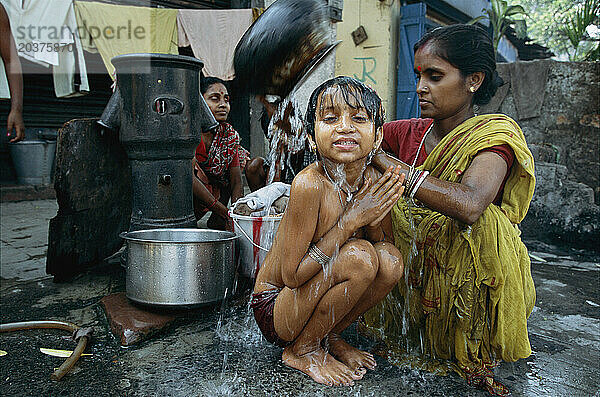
(468, 289)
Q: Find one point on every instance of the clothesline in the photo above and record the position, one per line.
(55, 34)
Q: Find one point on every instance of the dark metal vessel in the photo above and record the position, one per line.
(282, 45)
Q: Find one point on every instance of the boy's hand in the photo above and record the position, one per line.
(375, 200)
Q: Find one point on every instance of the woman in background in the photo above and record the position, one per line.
(218, 160)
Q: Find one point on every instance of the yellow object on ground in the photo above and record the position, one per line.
(60, 353)
(469, 289)
(3, 353)
(115, 30)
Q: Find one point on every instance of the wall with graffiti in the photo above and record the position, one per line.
(368, 48)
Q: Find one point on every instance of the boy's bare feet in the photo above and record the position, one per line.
(320, 366)
(357, 360)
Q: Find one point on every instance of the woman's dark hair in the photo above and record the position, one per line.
(469, 49)
(206, 82)
(355, 93)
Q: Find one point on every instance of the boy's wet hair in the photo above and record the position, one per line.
(356, 95)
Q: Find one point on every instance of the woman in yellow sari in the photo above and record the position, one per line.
(467, 290)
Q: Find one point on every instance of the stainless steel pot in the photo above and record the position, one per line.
(179, 267)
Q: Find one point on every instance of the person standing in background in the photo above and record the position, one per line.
(12, 68)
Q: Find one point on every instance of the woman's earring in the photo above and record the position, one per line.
(311, 144)
(472, 89)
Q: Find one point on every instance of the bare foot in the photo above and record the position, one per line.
(357, 360)
(320, 366)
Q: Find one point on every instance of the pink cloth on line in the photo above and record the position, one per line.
(213, 35)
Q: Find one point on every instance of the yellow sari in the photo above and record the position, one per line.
(468, 290)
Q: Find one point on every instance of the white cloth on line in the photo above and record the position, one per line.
(4, 90)
(42, 29)
(213, 36)
(64, 72)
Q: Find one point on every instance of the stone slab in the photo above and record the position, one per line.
(132, 324)
(93, 190)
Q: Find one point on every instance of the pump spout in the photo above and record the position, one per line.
(111, 116)
(207, 120)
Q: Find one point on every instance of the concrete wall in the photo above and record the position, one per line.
(564, 136)
(472, 8)
(374, 60)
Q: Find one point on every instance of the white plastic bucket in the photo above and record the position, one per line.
(256, 238)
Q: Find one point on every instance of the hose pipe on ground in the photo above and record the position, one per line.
(79, 335)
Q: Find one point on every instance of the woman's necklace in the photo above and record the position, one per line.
(421, 145)
(349, 194)
(411, 170)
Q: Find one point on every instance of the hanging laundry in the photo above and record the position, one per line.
(4, 89)
(213, 35)
(45, 33)
(115, 30)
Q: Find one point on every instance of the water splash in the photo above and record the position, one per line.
(286, 134)
(336, 174)
(409, 294)
(240, 328)
(225, 388)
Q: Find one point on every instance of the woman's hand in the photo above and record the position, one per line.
(15, 121)
(374, 200)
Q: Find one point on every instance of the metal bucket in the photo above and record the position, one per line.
(179, 267)
(33, 161)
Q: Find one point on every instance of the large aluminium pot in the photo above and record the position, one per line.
(179, 267)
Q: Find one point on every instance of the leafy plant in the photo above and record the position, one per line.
(502, 15)
(575, 30)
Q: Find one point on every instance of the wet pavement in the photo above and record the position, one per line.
(218, 350)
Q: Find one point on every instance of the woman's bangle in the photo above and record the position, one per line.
(411, 171)
(414, 182)
(418, 183)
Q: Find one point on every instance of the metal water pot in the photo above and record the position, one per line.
(179, 267)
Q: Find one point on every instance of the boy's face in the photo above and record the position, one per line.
(343, 133)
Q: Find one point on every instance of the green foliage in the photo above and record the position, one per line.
(546, 22)
(575, 31)
(502, 15)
